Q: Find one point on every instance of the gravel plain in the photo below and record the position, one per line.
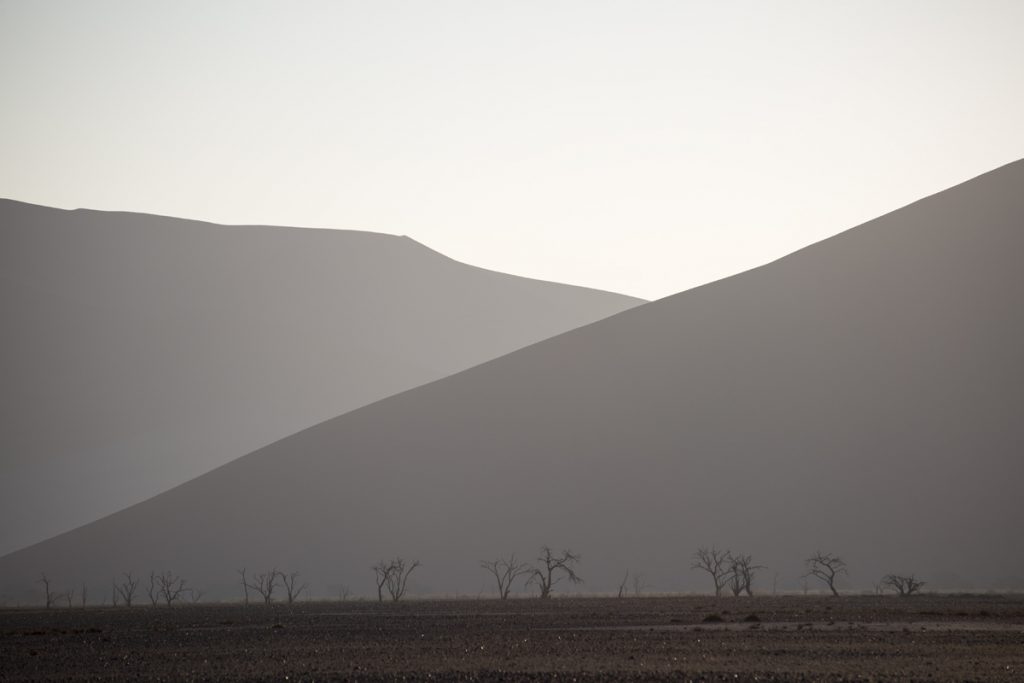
(784, 638)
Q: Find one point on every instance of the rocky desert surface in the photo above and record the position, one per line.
(783, 638)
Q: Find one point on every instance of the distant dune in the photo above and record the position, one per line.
(140, 352)
(862, 396)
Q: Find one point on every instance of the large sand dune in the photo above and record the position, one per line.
(862, 396)
(140, 352)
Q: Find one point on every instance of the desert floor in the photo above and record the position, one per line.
(928, 637)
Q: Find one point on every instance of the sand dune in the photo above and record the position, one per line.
(140, 352)
(862, 396)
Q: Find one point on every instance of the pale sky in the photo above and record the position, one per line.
(640, 147)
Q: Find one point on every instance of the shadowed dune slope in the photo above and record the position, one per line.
(862, 396)
(140, 352)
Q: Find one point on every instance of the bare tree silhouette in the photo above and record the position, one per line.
(265, 584)
(381, 571)
(505, 571)
(398, 577)
(903, 585)
(393, 576)
(292, 587)
(170, 587)
(825, 567)
(245, 584)
(546, 576)
(637, 583)
(717, 563)
(623, 584)
(50, 596)
(152, 590)
(741, 574)
(126, 589)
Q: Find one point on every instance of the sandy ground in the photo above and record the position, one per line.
(931, 638)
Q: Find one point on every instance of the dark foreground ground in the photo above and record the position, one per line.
(931, 638)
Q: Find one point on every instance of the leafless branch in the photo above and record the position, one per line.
(152, 590)
(717, 563)
(553, 568)
(170, 587)
(245, 584)
(292, 587)
(741, 574)
(51, 596)
(903, 585)
(265, 584)
(623, 584)
(398, 577)
(825, 567)
(381, 571)
(126, 589)
(505, 572)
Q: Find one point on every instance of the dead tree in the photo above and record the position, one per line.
(292, 587)
(742, 571)
(69, 595)
(622, 585)
(126, 590)
(717, 563)
(113, 592)
(825, 567)
(903, 585)
(637, 583)
(735, 584)
(50, 595)
(344, 592)
(152, 590)
(170, 587)
(553, 568)
(398, 577)
(266, 584)
(195, 595)
(381, 571)
(505, 571)
(245, 585)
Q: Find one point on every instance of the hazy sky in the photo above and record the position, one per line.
(642, 147)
